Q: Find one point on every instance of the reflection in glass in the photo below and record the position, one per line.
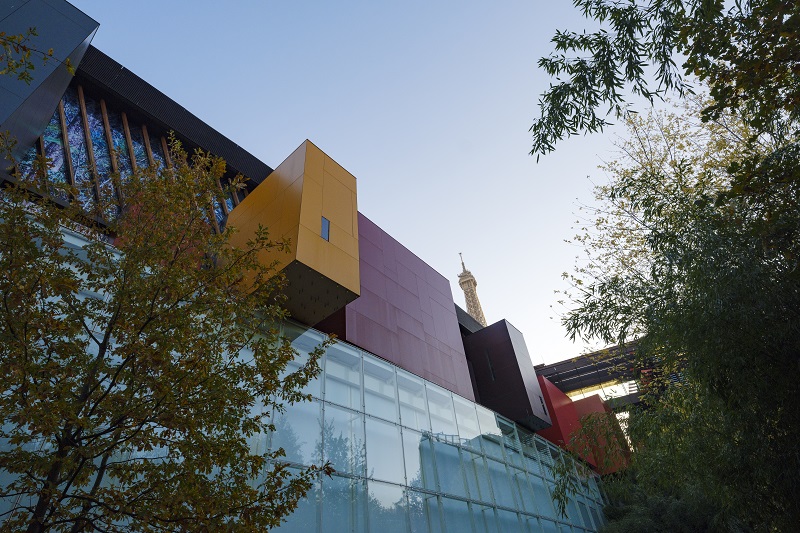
(510, 441)
(491, 436)
(384, 447)
(305, 518)
(477, 458)
(440, 404)
(413, 408)
(158, 152)
(423, 512)
(139, 150)
(523, 491)
(448, 467)
(542, 495)
(343, 440)
(304, 342)
(418, 458)
(77, 149)
(456, 515)
(343, 505)
(54, 151)
(584, 514)
(484, 519)
(297, 431)
(386, 506)
(549, 527)
(380, 389)
(500, 483)
(508, 521)
(97, 131)
(467, 420)
(25, 165)
(343, 376)
(120, 144)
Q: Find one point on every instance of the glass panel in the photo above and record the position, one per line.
(228, 201)
(529, 453)
(484, 519)
(418, 458)
(413, 408)
(501, 484)
(384, 451)
(102, 158)
(544, 502)
(595, 517)
(545, 459)
(490, 432)
(585, 515)
(448, 467)
(97, 131)
(456, 516)
(423, 512)
(524, 491)
(468, 465)
(54, 151)
(531, 524)
(380, 389)
(482, 475)
(508, 521)
(25, 165)
(305, 518)
(343, 508)
(467, 420)
(158, 151)
(343, 438)
(219, 214)
(120, 144)
(139, 150)
(572, 509)
(77, 149)
(549, 527)
(440, 404)
(258, 442)
(510, 441)
(297, 431)
(387, 509)
(304, 341)
(343, 376)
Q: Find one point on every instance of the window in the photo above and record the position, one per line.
(326, 229)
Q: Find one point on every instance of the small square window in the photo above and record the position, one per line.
(326, 229)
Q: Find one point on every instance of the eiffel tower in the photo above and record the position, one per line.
(468, 284)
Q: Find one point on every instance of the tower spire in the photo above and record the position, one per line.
(469, 285)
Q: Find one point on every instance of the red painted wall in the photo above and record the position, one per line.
(566, 416)
(562, 413)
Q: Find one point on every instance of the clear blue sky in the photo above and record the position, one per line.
(428, 103)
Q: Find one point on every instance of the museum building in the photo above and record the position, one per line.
(429, 416)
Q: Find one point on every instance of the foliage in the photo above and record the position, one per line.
(695, 253)
(747, 52)
(17, 55)
(140, 361)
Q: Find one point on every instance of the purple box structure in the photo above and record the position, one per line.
(405, 313)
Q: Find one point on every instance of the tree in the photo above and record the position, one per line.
(17, 54)
(747, 53)
(140, 358)
(702, 269)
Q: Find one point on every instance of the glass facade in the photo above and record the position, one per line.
(124, 145)
(411, 456)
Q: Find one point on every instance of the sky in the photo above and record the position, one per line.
(428, 103)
